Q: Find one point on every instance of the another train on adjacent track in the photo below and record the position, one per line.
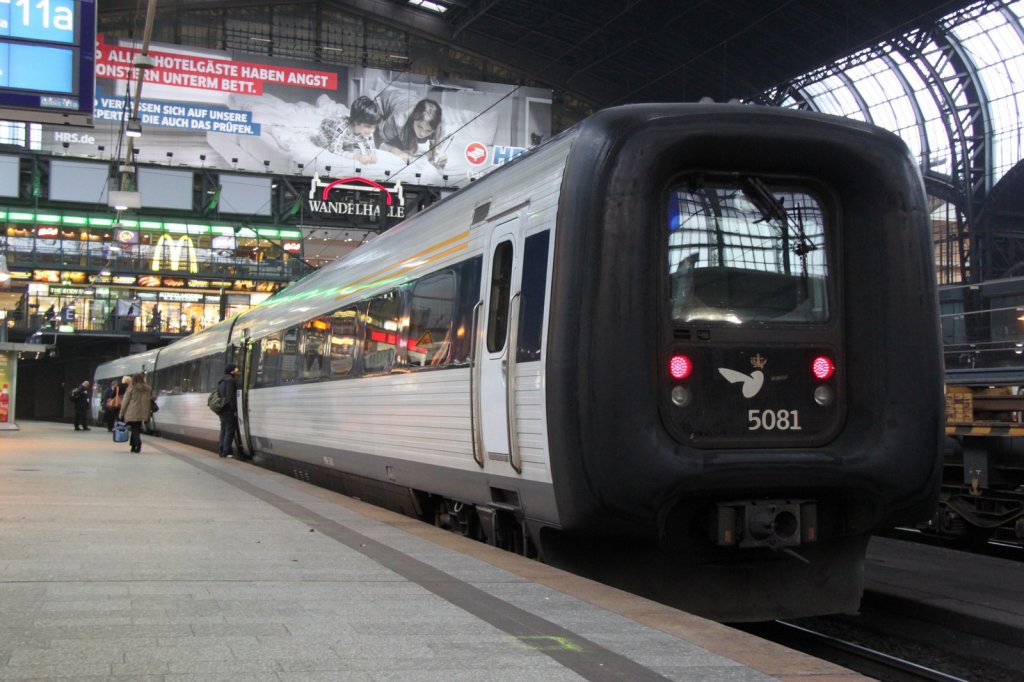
(691, 350)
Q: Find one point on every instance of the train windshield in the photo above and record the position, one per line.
(743, 251)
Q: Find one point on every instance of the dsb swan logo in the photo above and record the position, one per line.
(750, 384)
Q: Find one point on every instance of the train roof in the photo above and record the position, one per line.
(128, 365)
(985, 376)
(210, 341)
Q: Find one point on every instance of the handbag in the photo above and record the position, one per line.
(115, 402)
(120, 432)
(153, 407)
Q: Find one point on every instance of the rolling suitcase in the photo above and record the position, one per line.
(120, 432)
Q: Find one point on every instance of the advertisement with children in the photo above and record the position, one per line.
(214, 109)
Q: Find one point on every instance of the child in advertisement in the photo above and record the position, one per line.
(352, 136)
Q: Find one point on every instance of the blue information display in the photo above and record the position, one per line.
(47, 57)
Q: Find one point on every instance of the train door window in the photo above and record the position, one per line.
(342, 342)
(468, 282)
(380, 345)
(747, 251)
(501, 287)
(255, 363)
(531, 308)
(314, 339)
(269, 369)
(431, 307)
(290, 355)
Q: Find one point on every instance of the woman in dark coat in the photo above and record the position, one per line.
(136, 407)
(112, 403)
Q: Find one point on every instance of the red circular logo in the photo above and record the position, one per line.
(476, 153)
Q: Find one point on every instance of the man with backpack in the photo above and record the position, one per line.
(227, 388)
(80, 397)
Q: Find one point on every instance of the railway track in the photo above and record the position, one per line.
(995, 547)
(897, 638)
(857, 657)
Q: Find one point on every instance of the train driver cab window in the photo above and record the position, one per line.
(747, 252)
(380, 345)
(341, 342)
(431, 308)
(501, 287)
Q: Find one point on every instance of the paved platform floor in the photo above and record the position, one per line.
(174, 564)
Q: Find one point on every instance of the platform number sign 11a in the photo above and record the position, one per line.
(49, 20)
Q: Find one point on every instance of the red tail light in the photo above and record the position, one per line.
(680, 366)
(822, 368)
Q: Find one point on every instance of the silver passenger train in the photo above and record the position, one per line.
(691, 350)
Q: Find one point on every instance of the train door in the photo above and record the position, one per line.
(247, 374)
(495, 387)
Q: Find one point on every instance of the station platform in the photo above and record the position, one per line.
(174, 564)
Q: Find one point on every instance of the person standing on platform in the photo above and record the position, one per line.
(136, 408)
(80, 397)
(112, 403)
(227, 387)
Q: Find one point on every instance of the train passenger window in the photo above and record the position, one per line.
(745, 251)
(501, 287)
(176, 379)
(314, 340)
(431, 307)
(195, 376)
(269, 368)
(342, 342)
(290, 355)
(531, 308)
(214, 370)
(380, 345)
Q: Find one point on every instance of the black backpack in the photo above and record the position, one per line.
(216, 401)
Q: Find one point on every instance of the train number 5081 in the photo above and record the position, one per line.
(773, 420)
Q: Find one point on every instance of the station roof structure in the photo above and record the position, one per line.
(610, 52)
(945, 75)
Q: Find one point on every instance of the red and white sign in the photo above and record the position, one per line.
(206, 73)
(476, 153)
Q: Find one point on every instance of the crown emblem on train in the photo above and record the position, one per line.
(758, 361)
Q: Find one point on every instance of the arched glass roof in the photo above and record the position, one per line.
(954, 93)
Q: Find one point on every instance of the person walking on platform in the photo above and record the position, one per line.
(227, 387)
(136, 408)
(80, 397)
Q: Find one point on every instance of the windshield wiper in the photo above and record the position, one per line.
(772, 209)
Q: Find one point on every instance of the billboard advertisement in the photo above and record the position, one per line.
(207, 108)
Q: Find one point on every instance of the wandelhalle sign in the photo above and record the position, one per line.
(231, 111)
(355, 197)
